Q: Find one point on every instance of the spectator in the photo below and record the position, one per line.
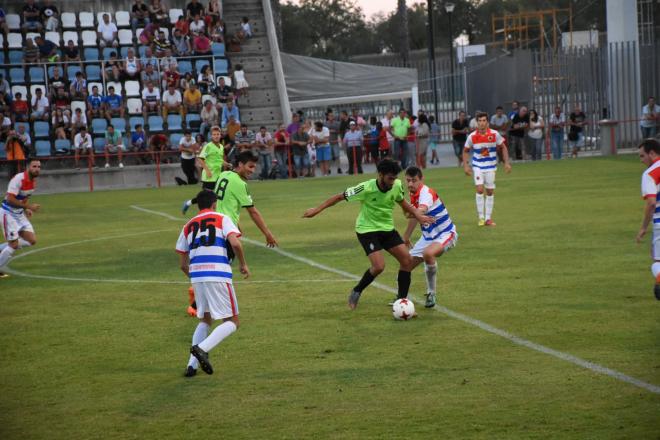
(408, 156)
(158, 13)
(192, 99)
(40, 106)
(240, 84)
(233, 128)
(171, 77)
(650, 119)
(353, 140)
(112, 63)
(158, 142)
(5, 89)
(519, 125)
(181, 44)
(186, 81)
(320, 138)
(31, 17)
(16, 153)
(209, 117)
(5, 103)
(400, 126)
(535, 133)
(71, 52)
(292, 128)
(383, 142)
(197, 25)
(183, 26)
(161, 45)
(50, 16)
(214, 10)
(282, 150)
(359, 120)
(149, 75)
(78, 88)
(30, 52)
(194, 9)
(56, 81)
(188, 147)
(172, 102)
(113, 145)
(138, 140)
(95, 104)
(264, 146)
(576, 122)
(333, 128)
(114, 105)
(107, 32)
(514, 109)
(148, 35)
(299, 141)
(387, 126)
(201, 44)
(434, 140)
(205, 79)
(132, 66)
(78, 121)
(557, 122)
(499, 121)
(5, 126)
(230, 110)
(422, 136)
(61, 124)
(82, 144)
(150, 100)
(139, 15)
(222, 92)
(217, 31)
(62, 101)
(26, 140)
(3, 22)
(19, 108)
(245, 139)
(246, 28)
(459, 131)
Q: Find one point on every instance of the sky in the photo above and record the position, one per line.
(371, 7)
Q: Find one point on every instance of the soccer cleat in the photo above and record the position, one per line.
(203, 358)
(481, 222)
(489, 222)
(353, 299)
(107, 165)
(6, 275)
(656, 290)
(430, 300)
(185, 207)
(121, 165)
(190, 372)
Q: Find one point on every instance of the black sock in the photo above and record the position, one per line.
(404, 283)
(367, 278)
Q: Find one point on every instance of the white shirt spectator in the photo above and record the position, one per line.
(41, 103)
(187, 144)
(197, 26)
(646, 110)
(324, 133)
(82, 142)
(107, 31)
(82, 120)
(172, 99)
(150, 97)
(499, 121)
(535, 132)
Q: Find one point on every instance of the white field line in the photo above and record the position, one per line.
(591, 366)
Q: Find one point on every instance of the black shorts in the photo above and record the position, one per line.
(208, 185)
(376, 241)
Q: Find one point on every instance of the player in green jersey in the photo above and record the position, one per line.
(375, 225)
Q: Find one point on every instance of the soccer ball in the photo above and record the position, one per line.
(403, 309)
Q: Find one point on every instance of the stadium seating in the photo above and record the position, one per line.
(175, 138)
(55, 37)
(17, 76)
(93, 72)
(15, 56)
(78, 104)
(68, 20)
(199, 64)
(193, 121)
(116, 84)
(98, 126)
(185, 67)
(62, 145)
(134, 106)
(19, 89)
(174, 123)
(107, 51)
(132, 88)
(218, 49)
(91, 53)
(3, 151)
(89, 38)
(13, 22)
(86, 20)
(119, 124)
(37, 74)
(123, 51)
(25, 124)
(135, 120)
(175, 14)
(122, 19)
(42, 147)
(34, 87)
(70, 35)
(14, 41)
(91, 84)
(99, 144)
(155, 123)
(99, 16)
(125, 37)
(41, 129)
(221, 67)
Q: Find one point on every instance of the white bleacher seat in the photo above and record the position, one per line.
(34, 87)
(19, 89)
(227, 80)
(174, 15)
(99, 17)
(116, 85)
(132, 88)
(167, 32)
(125, 37)
(68, 20)
(13, 22)
(138, 32)
(208, 98)
(78, 104)
(54, 37)
(70, 35)
(90, 86)
(89, 38)
(32, 35)
(86, 20)
(15, 41)
(134, 106)
(2, 41)
(122, 19)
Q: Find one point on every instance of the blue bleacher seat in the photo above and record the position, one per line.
(134, 120)
(142, 50)
(3, 151)
(119, 124)
(37, 74)
(99, 125)
(155, 123)
(218, 49)
(193, 121)
(185, 67)
(62, 145)
(15, 56)
(174, 123)
(175, 138)
(201, 63)
(91, 53)
(93, 72)
(221, 67)
(26, 124)
(2, 57)
(99, 144)
(16, 76)
(107, 51)
(42, 147)
(41, 129)
(124, 51)
(62, 71)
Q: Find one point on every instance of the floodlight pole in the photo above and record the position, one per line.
(431, 45)
(449, 7)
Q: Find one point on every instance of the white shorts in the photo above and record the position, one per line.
(13, 224)
(115, 148)
(447, 240)
(216, 298)
(485, 178)
(655, 245)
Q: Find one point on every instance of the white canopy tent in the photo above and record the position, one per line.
(315, 82)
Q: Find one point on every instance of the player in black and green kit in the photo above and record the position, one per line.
(375, 225)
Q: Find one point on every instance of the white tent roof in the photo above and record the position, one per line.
(312, 82)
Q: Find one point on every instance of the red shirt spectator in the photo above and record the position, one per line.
(182, 25)
(383, 143)
(172, 78)
(20, 108)
(201, 44)
(281, 138)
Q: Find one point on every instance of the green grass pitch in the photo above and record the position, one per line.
(102, 356)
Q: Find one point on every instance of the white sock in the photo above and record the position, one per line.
(23, 243)
(221, 332)
(431, 275)
(655, 268)
(490, 201)
(480, 206)
(201, 332)
(188, 202)
(6, 255)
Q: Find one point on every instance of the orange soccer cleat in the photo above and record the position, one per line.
(192, 308)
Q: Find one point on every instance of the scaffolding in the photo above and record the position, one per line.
(520, 30)
(645, 22)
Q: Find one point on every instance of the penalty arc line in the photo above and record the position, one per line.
(591, 366)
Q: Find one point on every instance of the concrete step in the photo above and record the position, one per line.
(259, 98)
(260, 80)
(253, 64)
(255, 45)
(268, 116)
(258, 25)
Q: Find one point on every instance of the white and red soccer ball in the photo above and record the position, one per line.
(403, 309)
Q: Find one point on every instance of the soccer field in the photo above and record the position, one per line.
(94, 337)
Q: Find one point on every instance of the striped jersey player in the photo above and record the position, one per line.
(16, 211)
(649, 154)
(437, 237)
(202, 246)
(483, 144)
